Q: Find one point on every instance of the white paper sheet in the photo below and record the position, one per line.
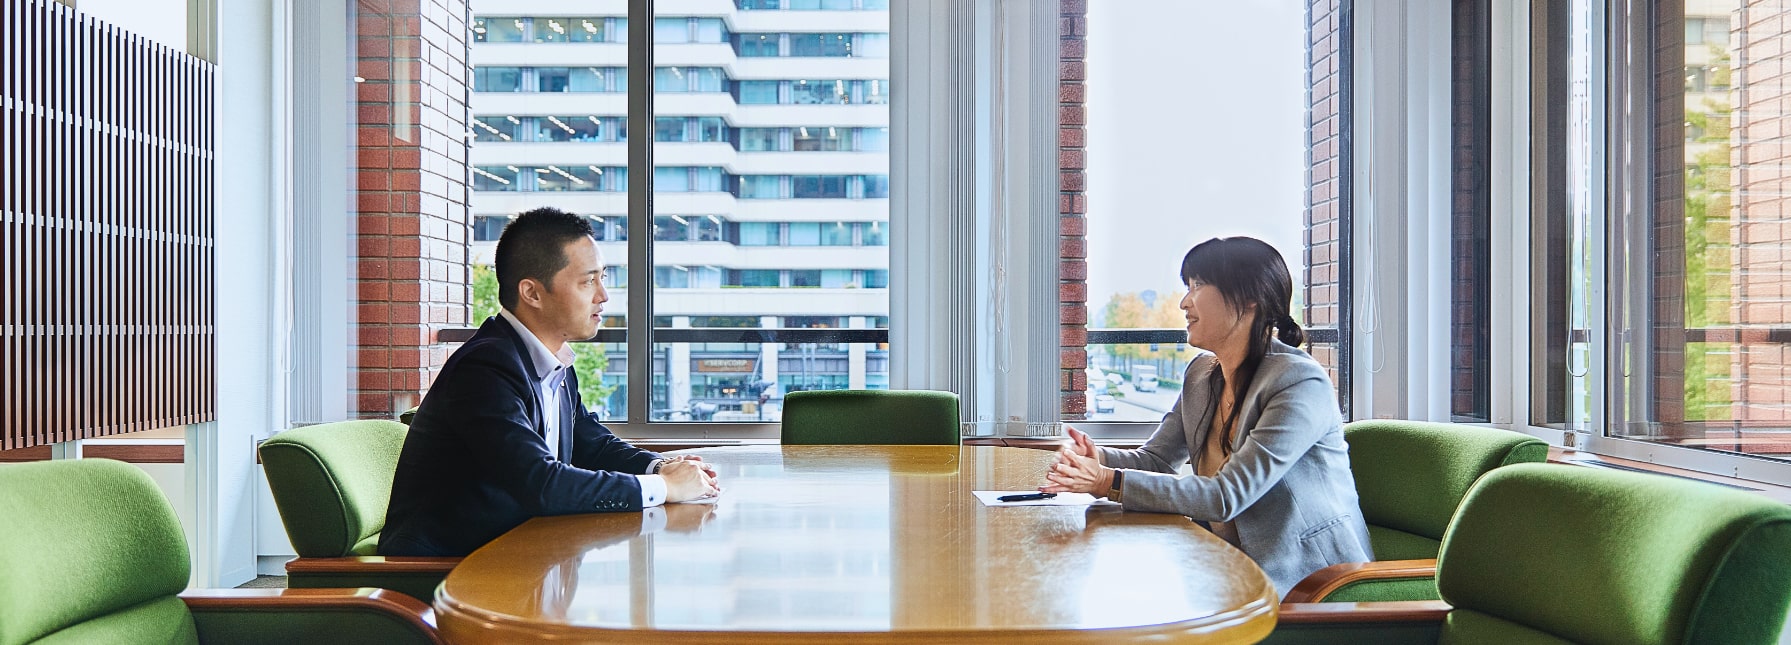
(1062, 499)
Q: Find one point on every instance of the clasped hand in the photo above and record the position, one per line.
(1078, 468)
(688, 478)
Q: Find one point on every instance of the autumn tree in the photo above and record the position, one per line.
(1146, 310)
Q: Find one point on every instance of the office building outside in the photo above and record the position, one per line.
(771, 187)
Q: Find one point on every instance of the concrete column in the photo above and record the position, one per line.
(768, 351)
(66, 450)
(678, 369)
(855, 356)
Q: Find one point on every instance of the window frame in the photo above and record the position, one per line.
(1522, 228)
(642, 333)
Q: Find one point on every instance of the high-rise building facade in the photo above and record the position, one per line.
(771, 185)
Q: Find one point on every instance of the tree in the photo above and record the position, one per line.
(1129, 311)
(485, 293)
(1708, 195)
(590, 359)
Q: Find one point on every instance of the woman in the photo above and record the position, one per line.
(1258, 418)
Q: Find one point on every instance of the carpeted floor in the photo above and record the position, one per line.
(264, 582)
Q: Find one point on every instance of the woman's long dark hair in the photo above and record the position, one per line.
(1246, 271)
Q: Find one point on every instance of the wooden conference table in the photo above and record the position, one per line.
(867, 544)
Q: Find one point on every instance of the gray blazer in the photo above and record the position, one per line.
(1287, 488)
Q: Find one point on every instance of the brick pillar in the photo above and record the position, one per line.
(1325, 192)
(1761, 232)
(414, 225)
(1072, 207)
(1470, 322)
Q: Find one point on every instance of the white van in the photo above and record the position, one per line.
(1144, 378)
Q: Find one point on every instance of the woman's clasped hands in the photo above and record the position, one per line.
(1078, 468)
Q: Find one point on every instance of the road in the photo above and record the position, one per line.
(1139, 406)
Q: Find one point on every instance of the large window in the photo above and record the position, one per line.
(758, 92)
(818, 186)
(553, 128)
(497, 79)
(688, 79)
(757, 45)
(497, 128)
(497, 30)
(820, 44)
(821, 139)
(1685, 343)
(580, 79)
(1154, 192)
(571, 30)
(713, 377)
(720, 265)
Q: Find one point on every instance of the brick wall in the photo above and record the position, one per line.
(1325, 193)
(1761, 231)
(1667, 317)
(1072, 207)
(413, 225)
(1470, 320)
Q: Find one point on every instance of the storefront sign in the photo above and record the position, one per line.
(741, 365)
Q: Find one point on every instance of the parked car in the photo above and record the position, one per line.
(1097, 381)
(1144, 378)
(1103, 404)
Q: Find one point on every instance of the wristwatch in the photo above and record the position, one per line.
(1115, 493)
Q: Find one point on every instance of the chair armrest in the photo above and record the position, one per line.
(372, 565)
(310, 615)
(1324, 581)
(1404, 622)
(416, 577)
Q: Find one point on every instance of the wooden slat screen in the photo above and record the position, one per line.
(107, 237)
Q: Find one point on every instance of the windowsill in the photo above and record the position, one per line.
(1556, 454)
(162, 446)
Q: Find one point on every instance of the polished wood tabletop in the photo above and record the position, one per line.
(868, 544)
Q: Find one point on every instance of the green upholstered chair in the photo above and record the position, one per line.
(1552, 553)
(871, 417)
(331, 483)
(1411, 476)
(91, 552)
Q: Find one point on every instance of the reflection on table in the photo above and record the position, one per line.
(870, 543)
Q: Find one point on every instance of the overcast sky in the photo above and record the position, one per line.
(1196, 129)
(163, 21)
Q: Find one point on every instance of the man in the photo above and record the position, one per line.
(502, 435)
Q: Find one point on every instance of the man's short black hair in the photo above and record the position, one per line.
(532, 246)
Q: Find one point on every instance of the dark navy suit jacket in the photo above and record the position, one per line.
(475, 463)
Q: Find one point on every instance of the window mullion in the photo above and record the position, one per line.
(640, 211)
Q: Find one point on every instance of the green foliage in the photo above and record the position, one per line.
(591, 359)
(1707, 398)
(1128, 311)
(485, 293)
(1708, 252)
(589, 366)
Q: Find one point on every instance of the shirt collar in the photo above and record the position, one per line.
(545, 361)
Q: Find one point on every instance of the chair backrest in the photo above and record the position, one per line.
(1597, 556)
(871, 417)
(90, 551)
(332, 482)
(1411, 476)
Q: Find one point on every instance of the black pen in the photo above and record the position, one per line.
(1027, 497)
